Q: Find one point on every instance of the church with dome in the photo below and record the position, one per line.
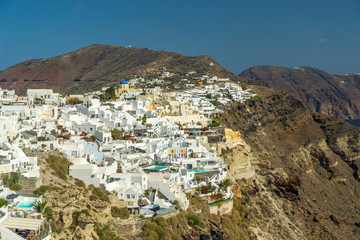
(125, 87)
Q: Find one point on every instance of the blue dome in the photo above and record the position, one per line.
(123, 82)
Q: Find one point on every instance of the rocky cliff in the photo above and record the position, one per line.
(332, 94)
(307, 183)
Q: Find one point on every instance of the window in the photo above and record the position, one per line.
(128, 196)
(133, 196)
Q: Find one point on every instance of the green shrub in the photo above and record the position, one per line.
(49, 213)
(16, 187)
(176, 203)
(3, 202)
(116, 134)
(40, 206)
(42, 190)
(80, 183)
(60, 166)
(122, 213)
(196, 220)
(55, 227)
(215, 123)
(73, 101)
(42, 138)
(106, 232)
(76, 214)
(97, 194)
(244, 86)
(160, 228)
(108, 95)
(11, 180)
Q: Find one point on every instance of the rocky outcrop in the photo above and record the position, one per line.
(239, 157)
(307, 184)
(221, 209)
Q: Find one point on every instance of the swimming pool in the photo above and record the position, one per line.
(150, 206)
(203, 170)
(155, 167)
(25, 205)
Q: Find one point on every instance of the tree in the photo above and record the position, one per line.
(144, 119)
(108, 95)
(226, 183)
(122, 213)
(3, 202)
(40, 206)
(117, 134)
(215, 123)
(73, 101)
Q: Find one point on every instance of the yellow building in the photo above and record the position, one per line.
(124, 87)
(177, 153)
(232, 136)
(132, 85)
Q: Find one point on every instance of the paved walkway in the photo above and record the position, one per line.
(26, 193)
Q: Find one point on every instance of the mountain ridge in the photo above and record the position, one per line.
(97, 65)
(328, 93)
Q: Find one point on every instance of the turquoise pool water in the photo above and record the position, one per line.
(150, 206)
(202, 170)
(25, 204)
(157, 167)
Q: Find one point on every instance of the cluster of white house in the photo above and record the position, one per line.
(13, 159)
(202, 99)
(150, 164)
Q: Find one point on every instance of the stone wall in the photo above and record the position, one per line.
(209, 174)
(25, 183)
(128, 228)
(30, 183)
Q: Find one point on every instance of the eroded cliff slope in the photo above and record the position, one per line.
(307, 184)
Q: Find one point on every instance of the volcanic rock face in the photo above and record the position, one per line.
(332, 94)
(307, 185)
(96, 66)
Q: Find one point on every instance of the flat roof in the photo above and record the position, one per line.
(22, 223)
(81, 166)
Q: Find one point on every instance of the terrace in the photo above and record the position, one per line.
(24, 228)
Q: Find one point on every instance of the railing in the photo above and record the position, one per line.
(43, 235)
(165, 210)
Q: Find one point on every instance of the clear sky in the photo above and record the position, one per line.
(238, 34)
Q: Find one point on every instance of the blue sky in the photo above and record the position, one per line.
(238, 34)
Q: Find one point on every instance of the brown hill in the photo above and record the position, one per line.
(98, 65)
(332, 94)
